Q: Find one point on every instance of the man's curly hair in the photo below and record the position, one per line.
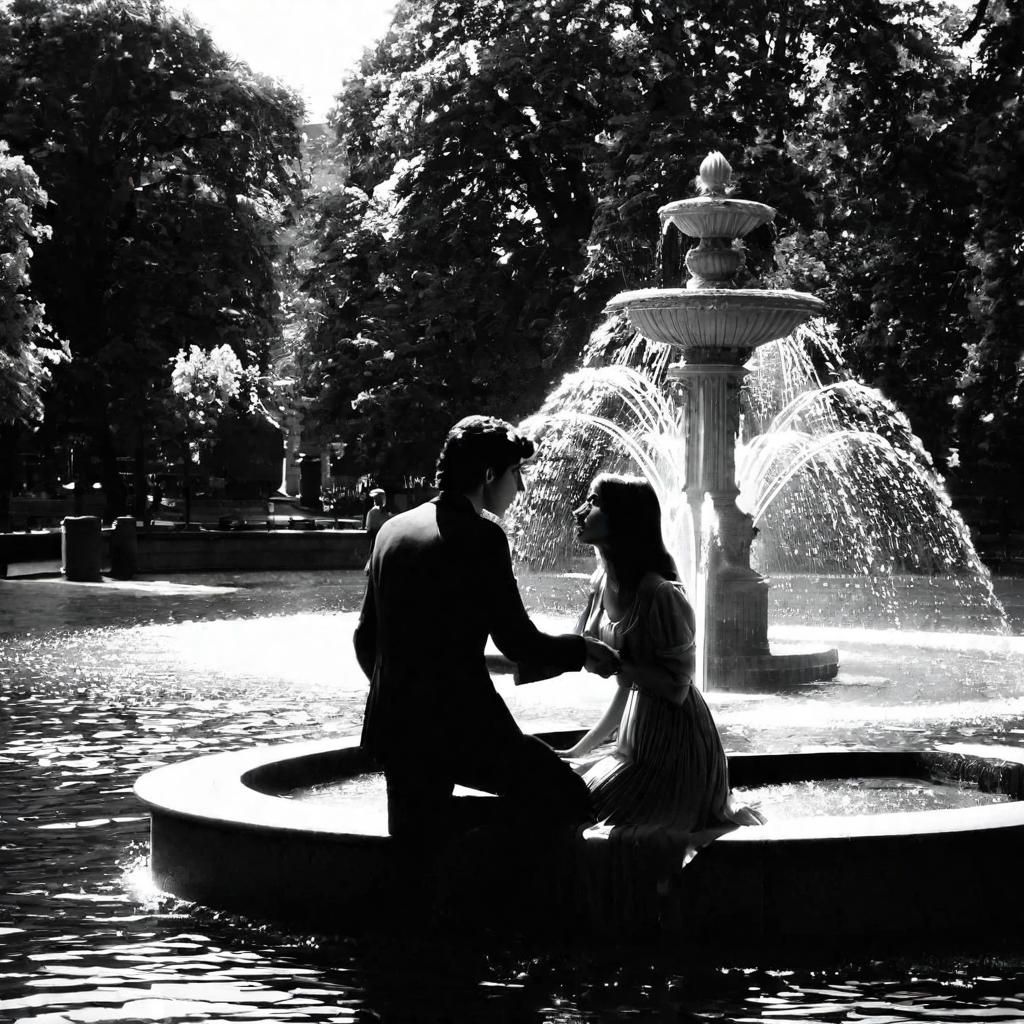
(476, 444)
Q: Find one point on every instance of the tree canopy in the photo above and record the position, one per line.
(507, 160)
(168, 165)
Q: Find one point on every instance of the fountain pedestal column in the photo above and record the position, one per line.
(717, 326)
(735, 596)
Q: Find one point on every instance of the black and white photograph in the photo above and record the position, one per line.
(511, 511)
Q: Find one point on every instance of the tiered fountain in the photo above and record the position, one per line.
(233, 830)
(717, 326)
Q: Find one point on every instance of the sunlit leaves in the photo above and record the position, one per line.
(28, 347)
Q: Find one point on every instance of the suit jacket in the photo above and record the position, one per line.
(440, 582)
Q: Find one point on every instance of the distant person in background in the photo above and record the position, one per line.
(156, 497)
(377, 516)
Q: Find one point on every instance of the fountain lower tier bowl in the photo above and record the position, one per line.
(226, 834)
(716, 319)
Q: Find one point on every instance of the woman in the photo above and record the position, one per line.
(667, 767)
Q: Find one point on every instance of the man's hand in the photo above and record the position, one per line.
(600, 659)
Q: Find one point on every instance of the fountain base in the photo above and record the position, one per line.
(223, 834)
(766, 673)
(738, 656)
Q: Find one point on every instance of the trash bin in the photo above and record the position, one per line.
(80, 546)
(124, 548)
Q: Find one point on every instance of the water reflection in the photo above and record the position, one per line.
(97, 685)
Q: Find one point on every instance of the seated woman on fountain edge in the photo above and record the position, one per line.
(667, 766)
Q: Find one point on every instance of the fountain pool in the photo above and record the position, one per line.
(99, 684)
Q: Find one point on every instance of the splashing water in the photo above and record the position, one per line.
(835, 478)
(637, 428)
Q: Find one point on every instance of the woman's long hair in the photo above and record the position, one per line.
(635, 545)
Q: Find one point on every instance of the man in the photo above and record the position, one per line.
(440, 583)
(376, 517)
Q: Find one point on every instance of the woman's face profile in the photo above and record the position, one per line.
(591, 521)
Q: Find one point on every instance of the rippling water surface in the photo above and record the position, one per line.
(100, 682)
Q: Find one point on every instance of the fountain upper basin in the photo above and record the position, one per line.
(715, 318)
(716, 217)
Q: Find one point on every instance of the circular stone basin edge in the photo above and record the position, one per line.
(224, 834)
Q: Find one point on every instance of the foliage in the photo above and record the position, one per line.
(447, 264)
(203, 384)
(204, 387)
(504, 184)
(28, 346)
(990, 399)
(168, 164)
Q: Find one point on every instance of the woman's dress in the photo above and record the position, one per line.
(667, 766)
(661, 790)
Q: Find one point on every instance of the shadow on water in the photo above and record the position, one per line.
(428, 977)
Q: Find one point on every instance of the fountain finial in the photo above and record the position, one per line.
(714, 174)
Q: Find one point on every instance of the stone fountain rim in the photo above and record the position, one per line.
(218, 788)
(718, 299)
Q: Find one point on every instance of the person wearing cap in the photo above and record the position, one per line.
(376, 517)
(440, 583)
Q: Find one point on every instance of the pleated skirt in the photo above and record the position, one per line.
(667, 768)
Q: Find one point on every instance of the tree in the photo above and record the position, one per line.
(169, 165)
(29, 348)
(990, 397)
(204, 387)
(447, 264)
(503, 185)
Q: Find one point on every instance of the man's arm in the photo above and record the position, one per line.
(539, 655)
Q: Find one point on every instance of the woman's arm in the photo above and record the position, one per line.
(604, 728)
(669, 678)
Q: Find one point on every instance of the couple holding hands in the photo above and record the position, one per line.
(441, 582)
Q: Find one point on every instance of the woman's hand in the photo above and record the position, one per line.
(574, 752)
(600, 658)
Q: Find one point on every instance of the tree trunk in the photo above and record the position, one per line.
(113, 486)
(186, 479)
(8, 438)
(141, 488)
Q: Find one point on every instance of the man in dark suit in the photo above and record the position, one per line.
(441, 582)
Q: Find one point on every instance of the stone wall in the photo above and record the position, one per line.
(223, 550)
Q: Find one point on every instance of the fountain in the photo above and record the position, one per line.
(227, 829)
(843, 494)
(717, 327)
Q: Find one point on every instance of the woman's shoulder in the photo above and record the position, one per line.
(668, 597)
(652, 583)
